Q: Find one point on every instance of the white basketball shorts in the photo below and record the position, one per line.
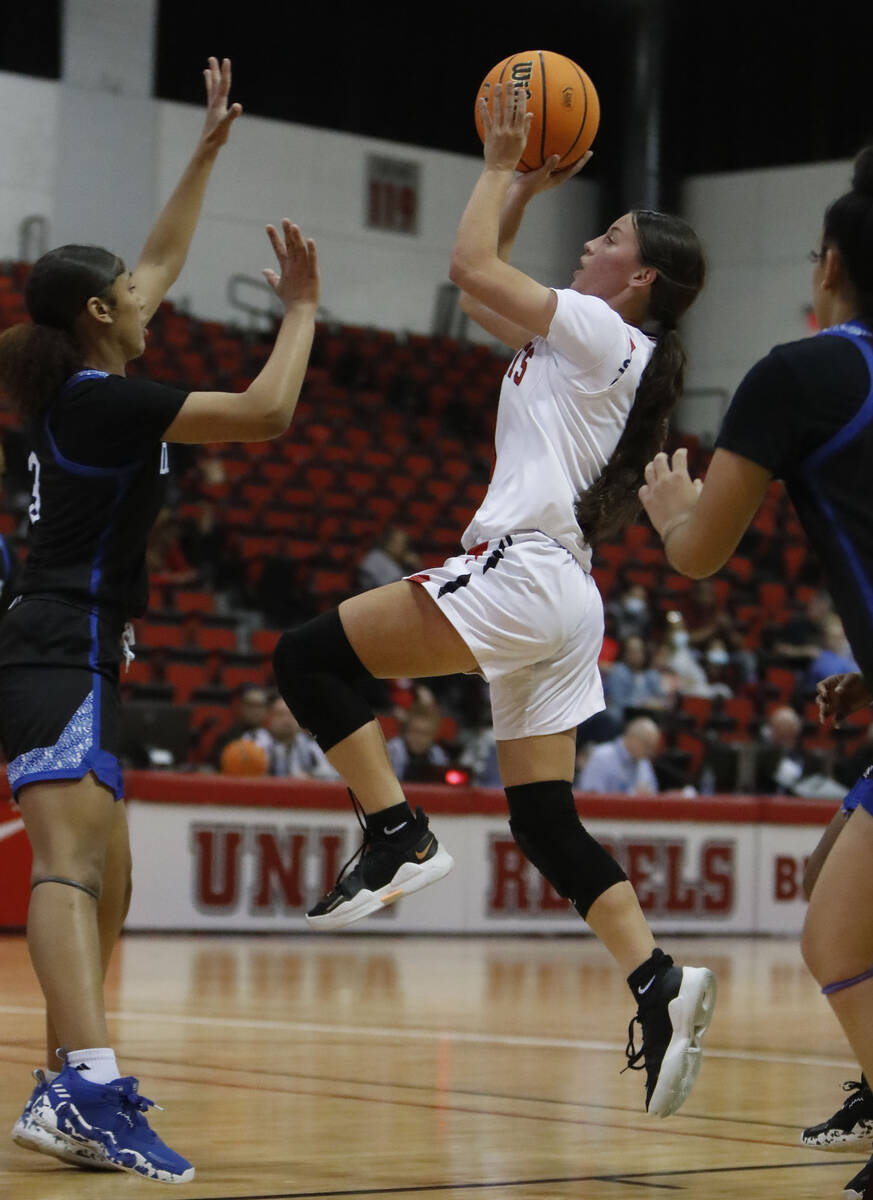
(534, 620)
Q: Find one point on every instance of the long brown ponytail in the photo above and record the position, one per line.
(671, 246)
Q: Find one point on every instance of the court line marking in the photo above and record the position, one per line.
(205, 1075)
(634, 1179)
(432, 1035)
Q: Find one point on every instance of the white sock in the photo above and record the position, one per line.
(97, 1065)
(50, 1076)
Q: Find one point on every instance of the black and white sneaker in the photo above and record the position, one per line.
(675, 1009)
(859, 1187)
(387, 869)
(850, 1126)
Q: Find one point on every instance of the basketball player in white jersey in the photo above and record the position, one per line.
(583, 404)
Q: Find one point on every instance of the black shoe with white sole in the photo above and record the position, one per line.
(675, 1006)
(387, 869)
(851, 1125)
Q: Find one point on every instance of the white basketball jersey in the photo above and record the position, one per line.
(563, 405)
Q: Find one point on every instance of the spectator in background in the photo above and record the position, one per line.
(207, 545)
(781, 762)
(390, 559)
(708, 621)
(282, 593)
(835, 656)
(718, 670)
(252, 704)
(292, 752)
(165, 558)
(416, 756)
(632, 682)
(681, 659)
(631, 612)
(802, 636)
(625, 764)
(611, 646)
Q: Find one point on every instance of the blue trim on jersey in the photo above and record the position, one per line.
(7, 561)
(120, 475)
(857, 335)
(87, 373)
(861, 337)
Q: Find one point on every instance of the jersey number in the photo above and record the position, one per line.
(36, 501)
(518, 366)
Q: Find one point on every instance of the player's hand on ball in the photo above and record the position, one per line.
(548, 176)
(297, 280)
(669, 494)
(506, 126)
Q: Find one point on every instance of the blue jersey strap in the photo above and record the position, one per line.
(79, 377)
(861, 337)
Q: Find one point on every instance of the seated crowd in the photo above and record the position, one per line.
(709, 687)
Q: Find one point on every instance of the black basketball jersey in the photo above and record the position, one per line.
(99, 470)
(805, 412)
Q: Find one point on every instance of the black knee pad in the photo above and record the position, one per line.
(316, 669)
(547, 829)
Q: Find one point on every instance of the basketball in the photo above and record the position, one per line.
(243, 757)
(562, 99)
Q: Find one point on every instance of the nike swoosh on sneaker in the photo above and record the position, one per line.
(641, 991)
(396, 828)
(420, 854)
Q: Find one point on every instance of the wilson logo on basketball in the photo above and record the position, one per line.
(567, 97)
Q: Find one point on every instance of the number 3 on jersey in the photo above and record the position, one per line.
(36, 501)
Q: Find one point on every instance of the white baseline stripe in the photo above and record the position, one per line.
(8, 828)
(433, 1035)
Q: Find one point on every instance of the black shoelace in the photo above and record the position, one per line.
(635, 1058)
(367, 838)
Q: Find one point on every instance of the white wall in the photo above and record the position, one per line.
(268, 170)
(758, 228)
(317, 178)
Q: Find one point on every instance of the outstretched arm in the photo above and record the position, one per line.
(701, 523)
(166, 247)
(264, 410)
(522, 189)
(476, 266)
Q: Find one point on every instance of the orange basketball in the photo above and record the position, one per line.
(244, 757)
(562, 99)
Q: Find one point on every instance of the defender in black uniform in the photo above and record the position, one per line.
(804, 414)
(99, 464)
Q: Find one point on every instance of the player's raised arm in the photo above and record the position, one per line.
(264, 410)
(476, 265)
(166, 247)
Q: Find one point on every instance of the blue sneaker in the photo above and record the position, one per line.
(27, 1133)
(107, 1118)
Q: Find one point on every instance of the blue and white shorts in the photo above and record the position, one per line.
(533, 618)
(60, 710)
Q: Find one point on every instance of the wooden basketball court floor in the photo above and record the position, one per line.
(370, 1065)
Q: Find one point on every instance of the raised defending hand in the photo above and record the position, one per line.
(669, 494)
(297, 281)
(505, 125)
(219, 117)
(838, 696)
